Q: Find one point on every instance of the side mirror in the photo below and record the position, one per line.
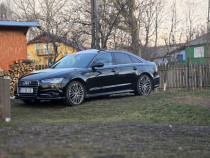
(96, 65)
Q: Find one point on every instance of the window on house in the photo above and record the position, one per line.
(38, 47)
(65, 53)
(47, 48)
(180, 57)
(28, 55)
(199, 52)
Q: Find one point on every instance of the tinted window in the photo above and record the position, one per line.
(135, 60)
(74, 61)
(106, 59)
(122, 58)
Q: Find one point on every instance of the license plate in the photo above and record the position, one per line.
(26, 90)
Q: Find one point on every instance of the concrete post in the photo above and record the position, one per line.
(5, 104)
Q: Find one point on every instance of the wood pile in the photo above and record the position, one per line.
(18, 69)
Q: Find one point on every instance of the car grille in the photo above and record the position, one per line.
(28, 84)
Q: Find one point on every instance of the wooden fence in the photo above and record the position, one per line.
(181, 75)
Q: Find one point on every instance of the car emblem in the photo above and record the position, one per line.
(26, 83)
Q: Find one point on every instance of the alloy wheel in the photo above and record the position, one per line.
(75, 93)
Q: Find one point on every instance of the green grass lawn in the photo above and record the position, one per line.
(163, 108)
(163, 124)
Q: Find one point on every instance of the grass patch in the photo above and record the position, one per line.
(155, 108)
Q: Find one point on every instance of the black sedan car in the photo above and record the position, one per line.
(89, 73)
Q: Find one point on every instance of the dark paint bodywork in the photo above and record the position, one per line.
(99, 81)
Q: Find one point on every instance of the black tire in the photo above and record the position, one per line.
(144, 85)
(75, 93)
(31, 101)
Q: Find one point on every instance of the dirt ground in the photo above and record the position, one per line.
(104, 140)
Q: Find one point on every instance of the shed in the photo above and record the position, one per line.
(13, 44)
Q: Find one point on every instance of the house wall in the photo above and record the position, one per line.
(12, 47)
(43, 59)
(190, 54)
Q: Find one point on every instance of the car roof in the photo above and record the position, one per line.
(96, 51)
(89, 51)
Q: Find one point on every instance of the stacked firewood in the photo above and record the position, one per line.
(18, 69)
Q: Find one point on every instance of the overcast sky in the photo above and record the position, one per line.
(198, 8)
(201, 9)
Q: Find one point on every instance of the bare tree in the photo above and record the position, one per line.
(190, 21)
(129, 22)
(51, 14)
(6, 11)
(108, 18)
(151, 18)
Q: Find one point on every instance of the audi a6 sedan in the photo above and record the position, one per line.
(89, 73)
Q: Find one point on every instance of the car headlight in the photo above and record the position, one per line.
(51, 83)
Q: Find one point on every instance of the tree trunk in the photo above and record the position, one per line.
(134, 28)
(135, 46)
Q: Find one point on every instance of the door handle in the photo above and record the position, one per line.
(113, 70)
(116, 72)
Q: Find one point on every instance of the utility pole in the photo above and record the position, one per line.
(95, 24)
(208, 31)
(208, 22)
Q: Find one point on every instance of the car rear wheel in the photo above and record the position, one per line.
(144, 85)
(75, 93)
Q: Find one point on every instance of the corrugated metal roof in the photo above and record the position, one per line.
(199, 40)
(19, 23)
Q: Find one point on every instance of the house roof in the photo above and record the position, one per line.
(46, 37)
(19, 23)
(204, 39)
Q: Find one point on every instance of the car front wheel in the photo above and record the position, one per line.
(144, 85)
(75, 93)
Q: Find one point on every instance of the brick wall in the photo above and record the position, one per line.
(12, 47)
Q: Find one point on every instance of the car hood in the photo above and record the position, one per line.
(48, 73)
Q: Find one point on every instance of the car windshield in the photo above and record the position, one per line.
(74, 61)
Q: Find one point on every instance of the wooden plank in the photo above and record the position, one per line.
(200, 76)
(1, 96)
(5, 105)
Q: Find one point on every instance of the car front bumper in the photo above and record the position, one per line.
(41, 94)
(156, 81)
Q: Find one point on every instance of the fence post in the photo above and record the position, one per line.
(5, 104)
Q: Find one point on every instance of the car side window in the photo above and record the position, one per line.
(105, 58)
(135, 60)
(122, 58)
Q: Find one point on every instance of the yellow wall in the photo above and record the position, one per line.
(43, 60)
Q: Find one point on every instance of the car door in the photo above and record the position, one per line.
(127, 70)
(103, 78)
